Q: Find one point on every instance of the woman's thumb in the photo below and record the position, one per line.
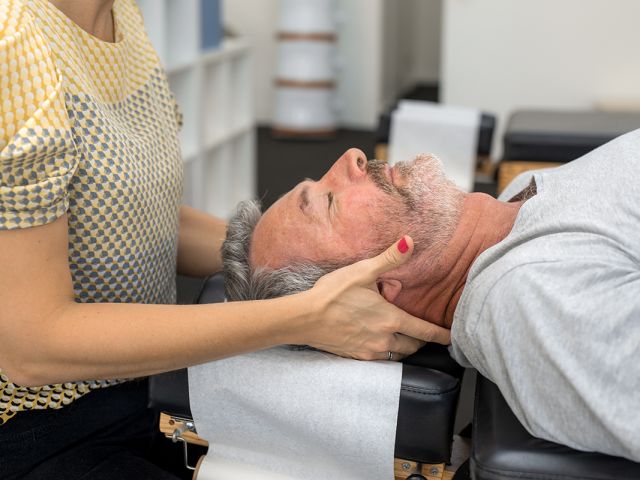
(393, 257)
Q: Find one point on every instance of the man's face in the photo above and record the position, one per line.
(355, 210)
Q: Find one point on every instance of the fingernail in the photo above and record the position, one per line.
(403, 246)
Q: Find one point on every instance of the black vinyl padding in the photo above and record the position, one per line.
(428, 397)
(169, 393)
(436, 357)
(426, 414)
(504, 450)
(212, 290)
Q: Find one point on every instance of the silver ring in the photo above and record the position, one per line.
(390, 355)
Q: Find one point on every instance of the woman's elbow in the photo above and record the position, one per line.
(29, 357)
(25, 373)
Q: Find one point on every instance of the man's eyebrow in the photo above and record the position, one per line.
(304, 199)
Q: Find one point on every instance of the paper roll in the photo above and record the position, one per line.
(212, 467)
(303, 414)
(449, 132)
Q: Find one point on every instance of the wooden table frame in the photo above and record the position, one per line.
(182, 429)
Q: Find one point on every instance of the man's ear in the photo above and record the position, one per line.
(389, 288)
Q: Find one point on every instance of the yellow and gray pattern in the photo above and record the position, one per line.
(90, 129)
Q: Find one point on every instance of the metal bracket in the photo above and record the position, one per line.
(183, 425)
(412, 470)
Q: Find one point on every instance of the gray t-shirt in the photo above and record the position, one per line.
(552, 313)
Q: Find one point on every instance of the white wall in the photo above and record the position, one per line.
(420, 31)
(389, 46)
(500, 55)
(257, 20)
(360, 46)
(411, 30)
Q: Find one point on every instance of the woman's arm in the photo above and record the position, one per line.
(200, 238)
(49, 338)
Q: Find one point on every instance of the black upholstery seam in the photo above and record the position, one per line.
(424, 391)
(198, 295)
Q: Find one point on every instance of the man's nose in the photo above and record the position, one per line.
(356, 163)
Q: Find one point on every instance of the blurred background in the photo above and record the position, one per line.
(273, 91)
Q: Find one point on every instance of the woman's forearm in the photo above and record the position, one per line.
(199, 241)
(103, 341)
(48, 337)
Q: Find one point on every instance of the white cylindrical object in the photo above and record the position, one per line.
(212, 467)
(305, 109)
(307, 16)
(305, 61)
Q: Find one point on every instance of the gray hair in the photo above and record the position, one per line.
(242, 282)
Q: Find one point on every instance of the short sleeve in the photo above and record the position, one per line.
(37, 152)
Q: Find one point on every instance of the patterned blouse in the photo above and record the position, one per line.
(89, 128)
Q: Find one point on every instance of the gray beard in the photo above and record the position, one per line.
(427, 208)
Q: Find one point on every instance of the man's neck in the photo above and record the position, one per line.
(436, 284)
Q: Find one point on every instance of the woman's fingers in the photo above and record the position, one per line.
(403, 345)
(423, 330)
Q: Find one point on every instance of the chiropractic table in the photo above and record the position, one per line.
(428, 401)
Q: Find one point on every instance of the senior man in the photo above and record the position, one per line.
(541, 287)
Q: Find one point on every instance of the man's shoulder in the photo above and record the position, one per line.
(508, 276)
(537, 288)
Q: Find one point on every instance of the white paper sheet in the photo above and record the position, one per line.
(450, 133)
(303, 414)
(215, 467)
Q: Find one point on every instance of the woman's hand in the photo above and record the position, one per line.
(354, 320)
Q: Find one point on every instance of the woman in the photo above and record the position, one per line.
(91, 236)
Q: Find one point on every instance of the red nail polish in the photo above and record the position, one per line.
(403, 246)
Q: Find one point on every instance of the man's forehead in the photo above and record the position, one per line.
(277, 234)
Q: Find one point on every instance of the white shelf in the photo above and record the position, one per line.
(230, 47)
(188, 187)
(218, 86)
(241, 111)
(155, 19)
(213, 90)
(227, 136)
(181, 66)
(190, 158)
(184, 85)
(244, 178)
(218, 191)
(183, 31)
(229, 174)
